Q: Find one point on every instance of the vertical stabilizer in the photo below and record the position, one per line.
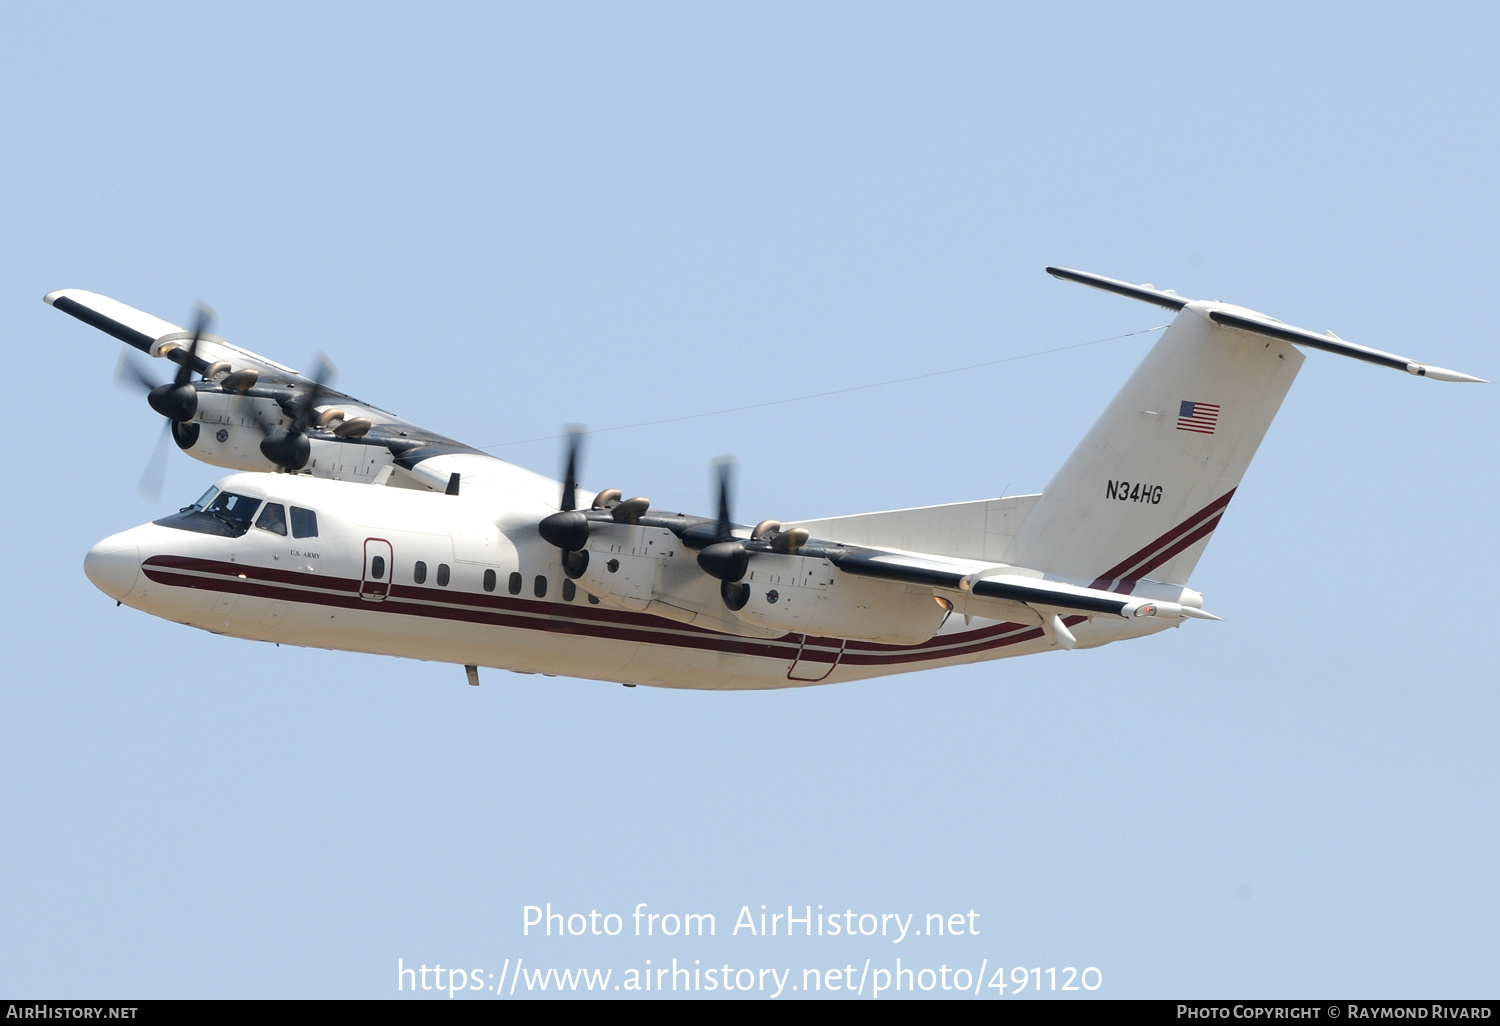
(1146, 487)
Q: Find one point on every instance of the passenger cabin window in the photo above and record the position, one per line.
(304, 523)
(569, 591)
(539, 587)
(273, 519)
(489, 580)
(419, 572)
(514, 585)
(442, 575)
(377, 568)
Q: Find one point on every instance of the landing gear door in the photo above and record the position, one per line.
(379, 570)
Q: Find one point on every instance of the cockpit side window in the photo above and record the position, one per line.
(273, 519)
(304, 523)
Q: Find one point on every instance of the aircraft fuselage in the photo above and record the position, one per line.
(423, 575)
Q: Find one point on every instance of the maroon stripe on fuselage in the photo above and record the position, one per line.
(1141, 562)
(222, 570)
(557, 619)
(250, 571)
(1181, 545)
(921, 653)
(446, 609)
(623, 625)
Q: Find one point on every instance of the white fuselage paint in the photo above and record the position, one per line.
(318, 592)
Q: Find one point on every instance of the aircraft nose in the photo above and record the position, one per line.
(113, 565)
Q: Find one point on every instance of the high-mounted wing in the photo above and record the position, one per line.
(151, 334)
(249, 412)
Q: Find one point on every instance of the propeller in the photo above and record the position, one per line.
(155, 473)
(129, 373)
(176, 400)
(726, 558)
(288, 447)
(568, 528)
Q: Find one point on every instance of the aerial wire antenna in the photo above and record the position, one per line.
(836, 391)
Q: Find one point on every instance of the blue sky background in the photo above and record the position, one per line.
(500, 219)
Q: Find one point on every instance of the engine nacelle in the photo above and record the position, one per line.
(628, 563)
(649, 570)
(808, 595)
(228, 435)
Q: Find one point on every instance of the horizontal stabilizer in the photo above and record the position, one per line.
(1329, 343)
(1145, 293)
(1333, 344)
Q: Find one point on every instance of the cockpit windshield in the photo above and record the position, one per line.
(237, 510)
(222, 513)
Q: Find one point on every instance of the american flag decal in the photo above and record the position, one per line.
(1199, 417)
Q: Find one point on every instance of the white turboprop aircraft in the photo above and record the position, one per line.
(352, 529)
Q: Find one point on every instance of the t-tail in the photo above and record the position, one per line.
(1143, 492)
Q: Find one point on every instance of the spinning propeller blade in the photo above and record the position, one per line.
(155, 473)
(570, 475)
(130, 373)
(725, 465)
